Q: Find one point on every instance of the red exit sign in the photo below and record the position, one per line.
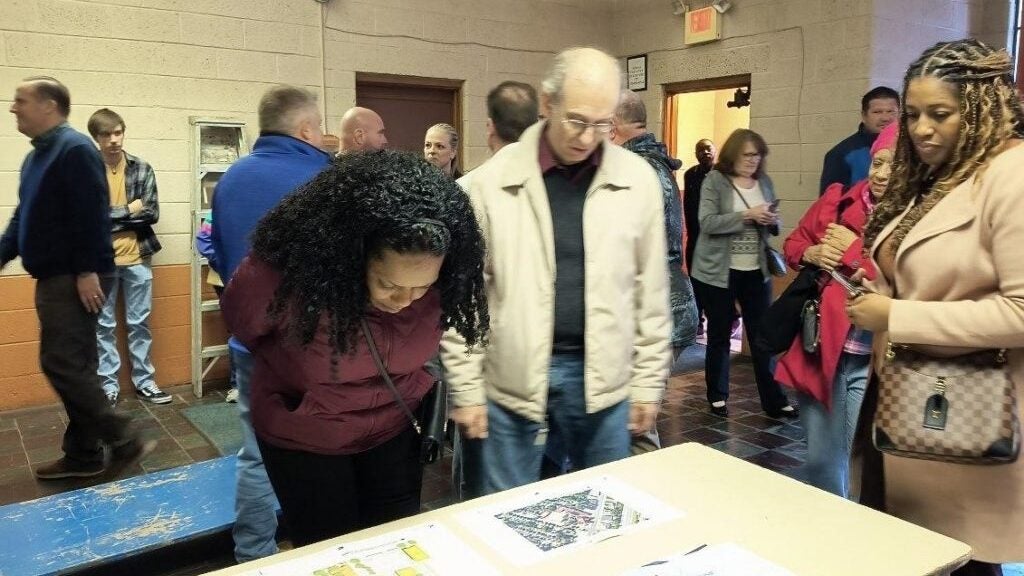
(701, 20)
(703, 25)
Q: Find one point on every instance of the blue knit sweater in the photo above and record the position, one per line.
(62, 222)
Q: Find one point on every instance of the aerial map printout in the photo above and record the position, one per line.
(531, 528)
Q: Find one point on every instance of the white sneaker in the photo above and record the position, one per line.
(232, 396)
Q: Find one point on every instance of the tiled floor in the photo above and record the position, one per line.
(32, 437)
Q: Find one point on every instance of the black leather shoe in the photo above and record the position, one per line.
(784, 412)
(722, 411)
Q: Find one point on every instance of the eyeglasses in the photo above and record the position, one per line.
(751, 155)
(579, 127)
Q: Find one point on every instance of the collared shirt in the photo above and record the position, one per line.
(573, 172)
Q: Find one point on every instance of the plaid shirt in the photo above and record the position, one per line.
(139, 184)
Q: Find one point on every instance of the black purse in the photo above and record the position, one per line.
(432, 421)
(782, 321)
(810, 325)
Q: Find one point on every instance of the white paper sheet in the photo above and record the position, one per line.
(534, 527)
(719, 560)
(424, 550)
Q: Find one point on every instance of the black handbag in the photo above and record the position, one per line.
(773, 258)
(432, 421)
(810, 325)
(782, 321)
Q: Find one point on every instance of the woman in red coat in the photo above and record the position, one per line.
(830, 383)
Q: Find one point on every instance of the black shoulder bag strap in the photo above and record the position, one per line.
(384, 374)
(760, 229)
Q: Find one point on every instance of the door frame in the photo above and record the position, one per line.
(670, 115)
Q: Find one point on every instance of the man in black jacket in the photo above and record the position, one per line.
(61, 230)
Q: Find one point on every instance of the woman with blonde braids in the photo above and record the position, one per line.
(946, 239)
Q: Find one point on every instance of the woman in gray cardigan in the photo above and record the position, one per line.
(737, 212)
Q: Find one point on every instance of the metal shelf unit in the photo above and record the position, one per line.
(216, 144)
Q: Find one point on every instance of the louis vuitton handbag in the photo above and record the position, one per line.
(961, 409)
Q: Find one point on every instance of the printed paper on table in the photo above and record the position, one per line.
(424, 550)
(553, 521)
(719, 560)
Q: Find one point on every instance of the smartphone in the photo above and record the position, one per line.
(852, 288)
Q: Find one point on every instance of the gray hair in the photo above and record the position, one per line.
(283, 107)
(554, 80)
(631, 109)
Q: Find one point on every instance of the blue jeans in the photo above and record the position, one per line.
(514, 448)
(137, 283)
(255, 504)
(830, 433)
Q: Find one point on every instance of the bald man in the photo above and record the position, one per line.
(578, 359)
(361, 129)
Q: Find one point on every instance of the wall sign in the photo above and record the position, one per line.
(636, 72)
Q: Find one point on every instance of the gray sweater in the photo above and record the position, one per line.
(719, 223)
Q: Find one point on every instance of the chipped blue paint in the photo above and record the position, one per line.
(101, 524)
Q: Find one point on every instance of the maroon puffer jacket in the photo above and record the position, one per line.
(297, 403)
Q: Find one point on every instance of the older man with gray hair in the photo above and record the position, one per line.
(631, 133)
(579, 348)
(285, 156)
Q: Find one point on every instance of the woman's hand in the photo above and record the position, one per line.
(869, 311)
(824, 256)
(761, 214)
(839, 237)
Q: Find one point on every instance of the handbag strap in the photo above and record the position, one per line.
(384, 374)
(760, 229)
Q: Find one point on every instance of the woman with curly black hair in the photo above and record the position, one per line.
(380, 237)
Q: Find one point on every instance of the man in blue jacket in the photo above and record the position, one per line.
(61, 230)
(286, 156)
(848, 161)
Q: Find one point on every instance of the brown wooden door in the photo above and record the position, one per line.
(409, 109)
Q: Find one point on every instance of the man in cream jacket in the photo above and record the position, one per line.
(579, 346)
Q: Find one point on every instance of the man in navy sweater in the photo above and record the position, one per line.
(61, 230)
(286, 156)
(848, 161)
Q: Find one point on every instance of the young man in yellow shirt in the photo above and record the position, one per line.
(134, 209)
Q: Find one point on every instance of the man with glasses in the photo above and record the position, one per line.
(577, 285)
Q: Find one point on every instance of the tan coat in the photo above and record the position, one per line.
(960, 279)
(627, 309)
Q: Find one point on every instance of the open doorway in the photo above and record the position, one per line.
(703, 110)
(409, 105)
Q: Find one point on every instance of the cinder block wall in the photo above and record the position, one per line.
(809, 60)
(157, 62)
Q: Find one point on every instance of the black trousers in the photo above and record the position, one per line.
(976, 568)
(748, 288)
(325, 496)
(69, 359)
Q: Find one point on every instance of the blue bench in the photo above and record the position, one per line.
(102, 524)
